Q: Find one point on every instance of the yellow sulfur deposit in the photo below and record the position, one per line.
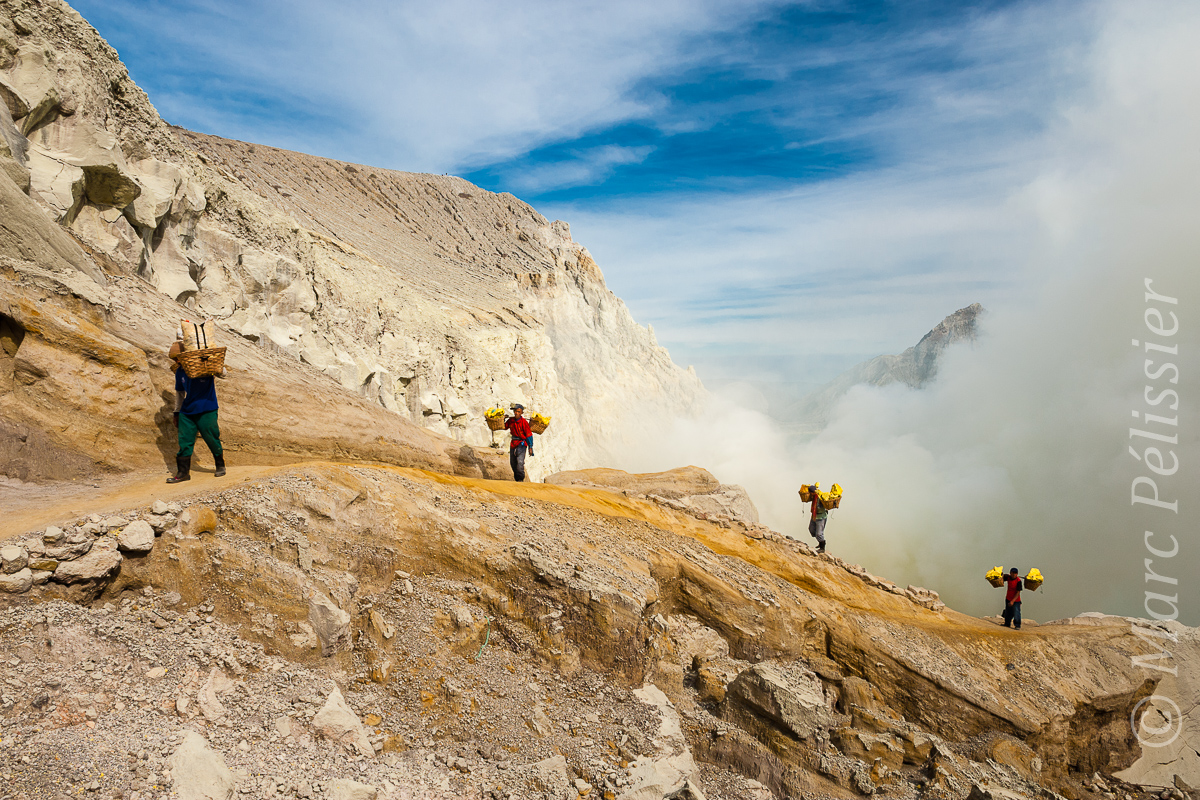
(831, 499)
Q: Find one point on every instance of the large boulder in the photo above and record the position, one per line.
(198, 772)
(17, 582)
(13, 559)
(789, 694)
(343, 789)
(331, 624)
(137, 538)
(338, 722)
(68, 546)
(101, 563)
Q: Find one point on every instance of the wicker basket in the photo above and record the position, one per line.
(202, 362)
(495, 423)
(1032, 584)
(537, 426)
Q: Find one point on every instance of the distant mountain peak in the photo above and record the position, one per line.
(916, 367)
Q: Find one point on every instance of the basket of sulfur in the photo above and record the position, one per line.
(538, 423)
(995, 576)
(494, 417)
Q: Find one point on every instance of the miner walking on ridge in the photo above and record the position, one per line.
(1012, 599)
(820, 510)
(195, 412)
(522, 441)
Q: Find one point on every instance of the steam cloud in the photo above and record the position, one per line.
(1018, 454)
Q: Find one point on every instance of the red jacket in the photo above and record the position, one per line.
(1013, 595)
(519, 428)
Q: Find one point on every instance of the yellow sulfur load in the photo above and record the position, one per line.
(538, 423)
(494, 417)
(807, 490)
(1034, 579)
(831, 499)
(995, 576)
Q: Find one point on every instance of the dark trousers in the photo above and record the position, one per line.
(816, 529)
(204, 424)
(1012, 615)
(516, 458)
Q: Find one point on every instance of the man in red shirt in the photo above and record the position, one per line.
(1012, 599)
(522, 441)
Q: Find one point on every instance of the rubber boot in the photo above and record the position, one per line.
(821, 547)
(219, 461)
(184, 466)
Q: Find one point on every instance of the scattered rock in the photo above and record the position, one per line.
(159, 507)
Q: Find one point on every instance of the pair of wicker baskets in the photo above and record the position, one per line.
(495, 422)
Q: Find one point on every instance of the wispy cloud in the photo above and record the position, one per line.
(580, 168)
(409, 85)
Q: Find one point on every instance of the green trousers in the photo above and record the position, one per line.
(204, 424)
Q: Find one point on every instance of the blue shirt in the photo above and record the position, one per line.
(199, 394)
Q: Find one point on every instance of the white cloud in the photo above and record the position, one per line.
(584, 168)
(431, 86)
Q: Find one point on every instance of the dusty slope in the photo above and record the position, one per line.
(797, 671)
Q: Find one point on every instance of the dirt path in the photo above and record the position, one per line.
(26, 507)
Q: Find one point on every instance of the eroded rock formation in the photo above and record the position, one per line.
(426, 295)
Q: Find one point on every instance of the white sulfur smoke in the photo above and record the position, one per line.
(1018, 455)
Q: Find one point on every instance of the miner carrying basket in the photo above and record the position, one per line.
(197, 363)
(522, 441)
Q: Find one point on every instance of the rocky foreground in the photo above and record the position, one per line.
(341, 631)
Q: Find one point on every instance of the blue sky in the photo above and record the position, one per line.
(781, 189)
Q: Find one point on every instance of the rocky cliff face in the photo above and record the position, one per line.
(915, 367)
(424, 294)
